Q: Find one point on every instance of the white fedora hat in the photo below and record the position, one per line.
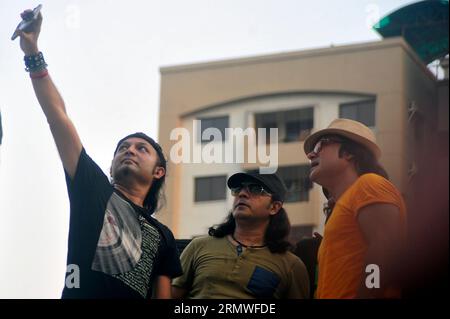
(350, 129)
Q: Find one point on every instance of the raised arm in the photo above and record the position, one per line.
(64, 133)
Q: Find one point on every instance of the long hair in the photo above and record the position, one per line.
(155, 198)
(365, 162)
(275, 236)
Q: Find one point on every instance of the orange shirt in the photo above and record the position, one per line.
(343, 248)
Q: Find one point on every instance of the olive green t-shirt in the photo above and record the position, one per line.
(213, 269)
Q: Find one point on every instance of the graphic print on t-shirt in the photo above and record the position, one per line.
(127, 246)
(119, 244)
(139, 278)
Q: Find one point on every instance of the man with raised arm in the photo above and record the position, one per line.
(116, 248)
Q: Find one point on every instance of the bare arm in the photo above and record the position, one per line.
(64, 133)
(162, 290)
(380, 225)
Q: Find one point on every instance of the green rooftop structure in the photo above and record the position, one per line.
(424, 25)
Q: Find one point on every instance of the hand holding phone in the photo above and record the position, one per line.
(27, 20)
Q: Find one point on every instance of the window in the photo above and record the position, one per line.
(298, 184)
(298, 124)
(362, 111)
(210, 188)
(219, 123)
(293, 125)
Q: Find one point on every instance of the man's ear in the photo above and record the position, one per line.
(276, 206)
(159, 172)
(347, 156)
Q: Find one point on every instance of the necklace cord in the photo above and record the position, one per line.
(246, 246)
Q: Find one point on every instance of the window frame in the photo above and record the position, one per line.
(213, 118)
(197, 199)
(364, 102)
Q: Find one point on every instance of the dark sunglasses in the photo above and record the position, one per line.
(323, 142)
(253, 189)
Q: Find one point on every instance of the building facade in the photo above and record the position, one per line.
(377, 83)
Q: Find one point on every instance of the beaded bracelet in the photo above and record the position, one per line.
(35, 63)
(39, 75)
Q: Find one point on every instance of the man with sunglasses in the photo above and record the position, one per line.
(366, 228)
(246, 256)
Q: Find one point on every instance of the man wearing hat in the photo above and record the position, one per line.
(246, 256)
(367, 224)
(116, 249)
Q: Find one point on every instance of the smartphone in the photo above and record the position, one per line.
(28, 19)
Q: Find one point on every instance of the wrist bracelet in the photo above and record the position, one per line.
(35, 62)
(39, 75)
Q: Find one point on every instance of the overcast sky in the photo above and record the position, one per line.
(105, 57)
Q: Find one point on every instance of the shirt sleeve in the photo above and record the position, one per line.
(88, 176)
(88, 191)
(373, 189)
(187, 263)
(299, 287)
(169, 263)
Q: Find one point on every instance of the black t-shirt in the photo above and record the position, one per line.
(118, 248)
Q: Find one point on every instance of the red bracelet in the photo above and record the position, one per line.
(39, 75)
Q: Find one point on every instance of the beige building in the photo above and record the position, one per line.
(383, 84)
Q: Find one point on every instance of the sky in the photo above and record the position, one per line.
(104, 57)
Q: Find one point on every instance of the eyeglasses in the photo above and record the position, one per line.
(253, 189)
(323, 142)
